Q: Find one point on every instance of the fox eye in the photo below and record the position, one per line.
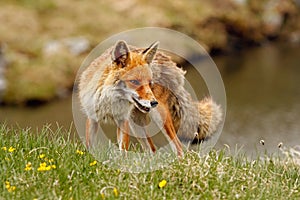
(135, 82)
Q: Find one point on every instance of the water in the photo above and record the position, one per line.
(263, 100)
(263, 96)
(57, 114)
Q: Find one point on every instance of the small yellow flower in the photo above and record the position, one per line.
(4, 148)
(41, 156)
(11, 149)
(28, 167)
(116, 192)
(43, 167)
(93, 163)
(51, 160)
(79, 152)
(10, 188)
(162, 183)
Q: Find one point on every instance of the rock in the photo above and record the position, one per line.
(240, 2)
(77, 45)
(295, 37)
(3, 65)
(2, 86)
(74, 45)
(280, 16)
(52, 47)
(272, 17)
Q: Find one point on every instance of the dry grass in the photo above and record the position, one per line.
(28, 25)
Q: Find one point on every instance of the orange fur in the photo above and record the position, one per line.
(122, 84)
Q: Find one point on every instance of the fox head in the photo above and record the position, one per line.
(135, 75)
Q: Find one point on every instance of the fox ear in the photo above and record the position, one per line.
(121, 53)
(149, 53)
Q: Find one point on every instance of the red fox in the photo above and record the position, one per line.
(127, 84)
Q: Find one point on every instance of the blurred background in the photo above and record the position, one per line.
(255, 44)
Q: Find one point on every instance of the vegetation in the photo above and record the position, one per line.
(27, 27)
(52, 165)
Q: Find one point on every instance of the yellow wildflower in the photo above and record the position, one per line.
(4, 148)
(79, 152)
(93, 163)
(41, 156)
(10, 188)
(43, 167)
(116, 192)
(11, 149)
(162, 183)
(28, 167)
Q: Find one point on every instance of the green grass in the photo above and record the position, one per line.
(71, 173)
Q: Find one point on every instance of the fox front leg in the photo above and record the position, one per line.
(123, 135)
(173, 139)
(147, 143)
(151, 144)
(90, 132)
(170, 132)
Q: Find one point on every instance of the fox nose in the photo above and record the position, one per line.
(153, 104)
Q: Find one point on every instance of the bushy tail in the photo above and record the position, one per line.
(210, 117)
